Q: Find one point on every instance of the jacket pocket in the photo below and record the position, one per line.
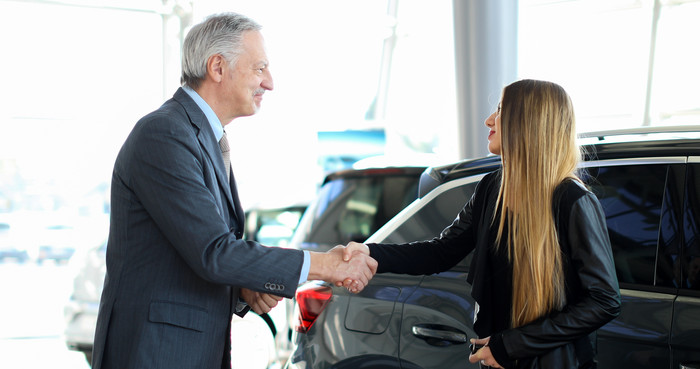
(178, 314)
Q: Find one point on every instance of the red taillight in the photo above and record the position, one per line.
(311, 300)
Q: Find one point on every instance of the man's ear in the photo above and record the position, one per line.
(215, 67)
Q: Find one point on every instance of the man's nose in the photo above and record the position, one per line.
(267, 81)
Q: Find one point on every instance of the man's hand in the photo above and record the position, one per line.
(260, 302)
(348, 251)
(331, 267)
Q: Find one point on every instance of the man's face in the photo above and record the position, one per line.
(249, 78)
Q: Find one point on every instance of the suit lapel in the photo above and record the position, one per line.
(211, 148)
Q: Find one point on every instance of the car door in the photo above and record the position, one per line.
(685, 334)
(642, 201)
(436, 321)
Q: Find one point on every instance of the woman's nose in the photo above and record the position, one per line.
(490, 120)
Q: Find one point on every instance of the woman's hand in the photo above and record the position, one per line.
(332, 267)
(351, 249)
(483, 355)
(354, 247)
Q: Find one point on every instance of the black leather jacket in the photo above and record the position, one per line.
(559, 340)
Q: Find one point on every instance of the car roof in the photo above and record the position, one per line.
(374, 172)
(601, 145)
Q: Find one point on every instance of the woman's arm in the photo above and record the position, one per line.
(442, 252)
(432, 256)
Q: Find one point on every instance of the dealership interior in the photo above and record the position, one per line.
(379, 82)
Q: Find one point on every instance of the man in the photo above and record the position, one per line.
(177, 268)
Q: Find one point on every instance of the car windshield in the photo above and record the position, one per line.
(351, 209)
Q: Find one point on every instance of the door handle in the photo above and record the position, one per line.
(439, 335)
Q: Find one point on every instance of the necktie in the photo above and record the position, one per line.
(226, 153)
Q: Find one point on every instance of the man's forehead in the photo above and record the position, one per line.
(254, 46)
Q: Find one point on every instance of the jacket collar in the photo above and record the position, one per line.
(206, 138)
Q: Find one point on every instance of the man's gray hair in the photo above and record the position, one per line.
(217, 34)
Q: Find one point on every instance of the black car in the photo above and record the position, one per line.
(648, 182)
(352, 204)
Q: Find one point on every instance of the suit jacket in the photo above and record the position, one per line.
(175, 257)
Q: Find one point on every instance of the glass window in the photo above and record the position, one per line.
(691, 230)
(351, 209)
(273, 227)
(626, 63)
(631, 197)
(590, 48)
(675, 70)
(435, 216)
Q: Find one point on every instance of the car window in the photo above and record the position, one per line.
(351, 209)
(690, 277)
(272, 227)
(433, 217)
(632, 197)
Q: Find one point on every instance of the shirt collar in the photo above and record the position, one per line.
(208, 112)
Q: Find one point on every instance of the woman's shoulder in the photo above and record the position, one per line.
(488, 184)
(571, 191)
(492, 178)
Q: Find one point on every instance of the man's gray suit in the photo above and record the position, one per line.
(175, 258)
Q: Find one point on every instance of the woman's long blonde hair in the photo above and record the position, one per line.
(538, 151)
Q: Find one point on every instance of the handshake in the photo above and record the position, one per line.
(347, 266)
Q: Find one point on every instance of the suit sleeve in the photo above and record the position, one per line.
(167, 172)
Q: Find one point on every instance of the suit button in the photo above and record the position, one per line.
(274, 286)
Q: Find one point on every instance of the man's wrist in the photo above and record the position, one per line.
(318, 266)
(305, 266)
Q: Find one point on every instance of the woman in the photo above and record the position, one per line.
(542, 273)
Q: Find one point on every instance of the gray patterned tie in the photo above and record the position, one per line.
(226, 153)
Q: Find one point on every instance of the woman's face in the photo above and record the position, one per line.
(494, 124)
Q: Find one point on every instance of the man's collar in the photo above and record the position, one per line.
(208, 112)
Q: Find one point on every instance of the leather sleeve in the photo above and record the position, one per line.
(441, 253)
(593, 303)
